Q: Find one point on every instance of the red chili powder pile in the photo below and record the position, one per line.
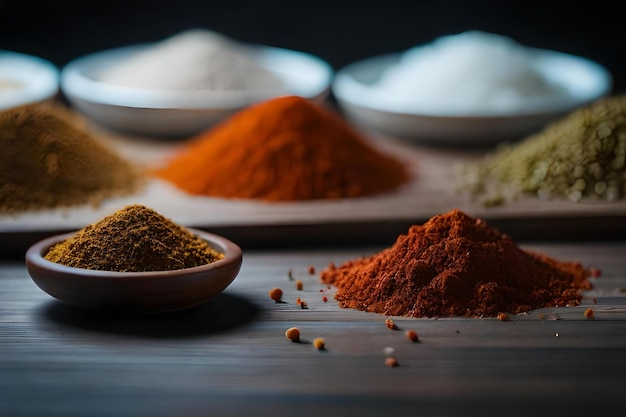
(455, 265)
(283, 149)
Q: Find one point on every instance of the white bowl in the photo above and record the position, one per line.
(369, 107)
(176, 112)
(26, 79)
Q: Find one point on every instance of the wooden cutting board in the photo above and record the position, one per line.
(369, 219)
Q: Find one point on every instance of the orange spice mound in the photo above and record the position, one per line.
(455, 265)
(283, 149)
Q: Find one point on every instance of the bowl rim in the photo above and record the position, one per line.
(232, 254)
(42, 77)
(344, 82)
(77, 85)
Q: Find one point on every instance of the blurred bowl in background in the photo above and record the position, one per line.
(372, 108)
(183, 112)
(26, 79)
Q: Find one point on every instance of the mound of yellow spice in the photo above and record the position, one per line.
(133, 239)
(48, 162)
(286, 148)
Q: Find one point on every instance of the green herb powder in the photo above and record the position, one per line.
(579, 157)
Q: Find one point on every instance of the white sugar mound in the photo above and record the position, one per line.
(470, 73)
(196, 59)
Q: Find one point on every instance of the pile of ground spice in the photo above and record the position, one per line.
(48, 162)
(283, 149)
(579, 157)
(455, 265)
(133, 239)
(194, 59)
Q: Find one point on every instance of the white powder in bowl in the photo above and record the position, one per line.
(467, 74)
(196, 59)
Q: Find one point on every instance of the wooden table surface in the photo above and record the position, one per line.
(230, 356)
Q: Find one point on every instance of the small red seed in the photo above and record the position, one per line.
(412, 336)
(298, 285)
(390, 324)
(276, 294)
(293, 334)
(325, 299)
(319, 343)
(589, 314)
(311, 270)
(391, 362)
(503, 317)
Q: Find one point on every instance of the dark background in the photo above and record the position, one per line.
(339, 32)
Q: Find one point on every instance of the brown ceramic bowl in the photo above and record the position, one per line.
(134, 292)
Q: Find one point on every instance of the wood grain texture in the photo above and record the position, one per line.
(230, 356)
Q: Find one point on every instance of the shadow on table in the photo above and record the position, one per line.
(221, 313)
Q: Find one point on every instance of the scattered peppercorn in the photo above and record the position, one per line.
(293, 334)
(290, 275)
(319, 343)
(276, 294)
(503, 317)
(325, 299)
(298, 285)
(311, 269)
(589, 314)
(303, 304)
(391, 362)
(412, 336)
(390, 324)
